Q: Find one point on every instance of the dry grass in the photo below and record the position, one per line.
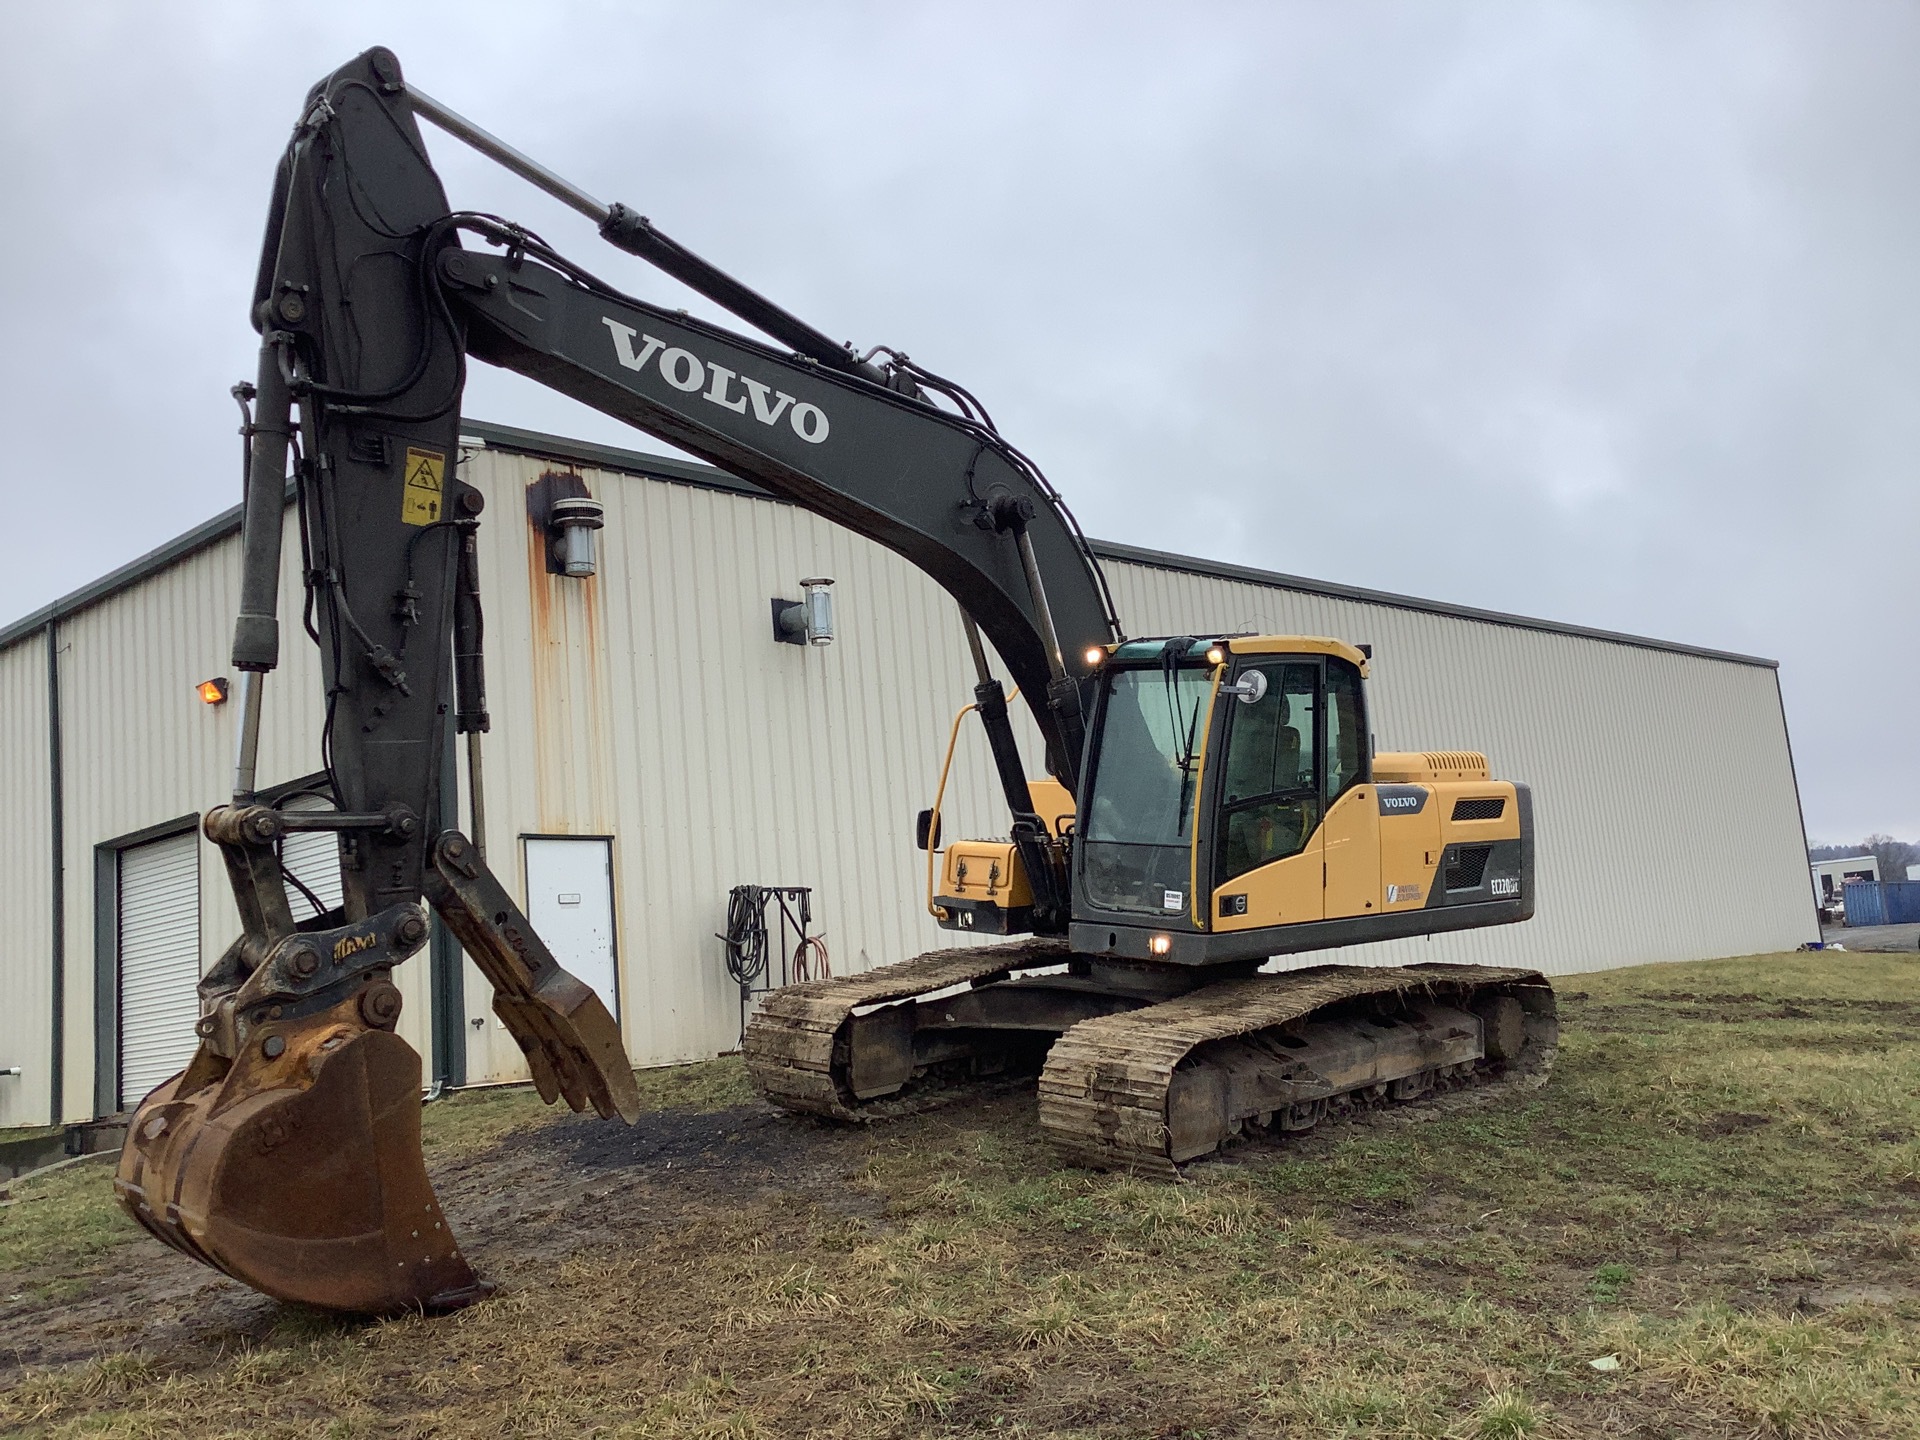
(1726, 1152)
(57, 1220)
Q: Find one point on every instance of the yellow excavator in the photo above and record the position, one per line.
(1211, 801)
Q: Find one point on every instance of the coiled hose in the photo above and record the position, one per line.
(745, 938)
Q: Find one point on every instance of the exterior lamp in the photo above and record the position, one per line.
(571, 522)
(214, 691)
(560, 507)
(807, 621)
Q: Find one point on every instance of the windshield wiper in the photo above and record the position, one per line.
(1170, 657)
(1187, 757)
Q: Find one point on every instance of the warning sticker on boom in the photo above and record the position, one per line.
(420, 497)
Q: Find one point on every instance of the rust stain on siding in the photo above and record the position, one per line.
(572, 759)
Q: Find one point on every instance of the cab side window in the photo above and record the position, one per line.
(1346, 729)
(1270, 792)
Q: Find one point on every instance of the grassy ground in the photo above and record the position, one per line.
(1717, 1197)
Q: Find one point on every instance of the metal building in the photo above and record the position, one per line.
(653, 746)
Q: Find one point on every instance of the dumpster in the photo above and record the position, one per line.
(1883, 902)
(1864, 903)
(1901, 899)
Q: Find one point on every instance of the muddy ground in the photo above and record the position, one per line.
(567, 1184)
(1717, 1197)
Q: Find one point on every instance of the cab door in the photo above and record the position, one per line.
(1268, 844)
(1352, 828)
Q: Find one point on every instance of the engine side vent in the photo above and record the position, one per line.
(1456, 764)
(1479, 807)
(1468, 865)
(1424, 767)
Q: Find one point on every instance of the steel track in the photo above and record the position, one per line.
(1103, 1091)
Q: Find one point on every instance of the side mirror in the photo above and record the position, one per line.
(926, 831)
(1249, 689)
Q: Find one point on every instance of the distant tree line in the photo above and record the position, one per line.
(1894, 855)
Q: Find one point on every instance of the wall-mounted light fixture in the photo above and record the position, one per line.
(574, 522)
(559, 505)
(808, 621)
(214, 691)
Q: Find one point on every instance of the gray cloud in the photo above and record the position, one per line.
(1599, 312)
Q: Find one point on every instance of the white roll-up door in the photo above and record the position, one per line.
(159, 961)
(314, 857)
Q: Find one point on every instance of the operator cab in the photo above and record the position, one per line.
(1233, 810)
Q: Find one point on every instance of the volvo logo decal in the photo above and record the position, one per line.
(1401, 799)
(686, 371)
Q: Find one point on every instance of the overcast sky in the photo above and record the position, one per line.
(1605, 313)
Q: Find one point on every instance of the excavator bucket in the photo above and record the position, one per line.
(301, 1175)
(287, 1154)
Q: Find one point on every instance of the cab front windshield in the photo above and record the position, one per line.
(1137, 834)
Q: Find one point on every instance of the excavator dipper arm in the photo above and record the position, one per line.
(287, 1153)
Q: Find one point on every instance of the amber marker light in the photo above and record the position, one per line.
(1160, 944)
(214, 691)
(1216, 656)
(1095, 654)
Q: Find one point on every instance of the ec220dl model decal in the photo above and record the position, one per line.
(686, 371)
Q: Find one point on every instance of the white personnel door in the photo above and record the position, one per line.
(570, 901)
(159, 925)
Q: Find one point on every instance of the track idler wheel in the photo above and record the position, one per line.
(296, 1166)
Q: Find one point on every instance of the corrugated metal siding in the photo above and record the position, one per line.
(141, 749)
(662, 713)
(26, 939)
(1663, 791)
(652, 704)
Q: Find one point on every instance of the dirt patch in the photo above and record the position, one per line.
(1731, 1122)
(1803, 1007)
(1842, 1297)
(746, 1147)
(535, 1198)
